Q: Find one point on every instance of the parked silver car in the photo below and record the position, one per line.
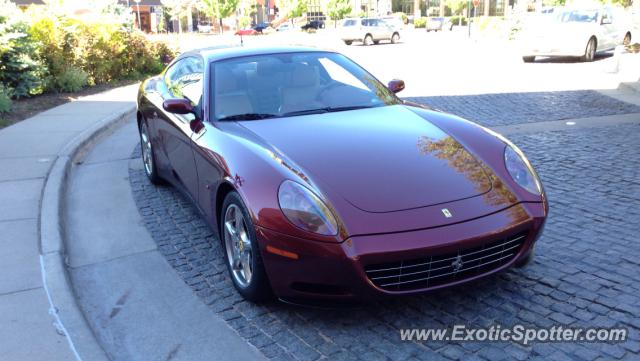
(576, 32)
(368, 31)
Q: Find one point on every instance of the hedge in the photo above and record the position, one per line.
(44, 51)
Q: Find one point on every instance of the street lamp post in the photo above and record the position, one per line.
(138, 9)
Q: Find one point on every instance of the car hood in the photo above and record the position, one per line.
(381, 159)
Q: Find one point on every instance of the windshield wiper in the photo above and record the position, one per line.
(352, 107)
(249, 116)
(326, 110)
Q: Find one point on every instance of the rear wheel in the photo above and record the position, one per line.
(590, 50)
(348, 42)
(627, 39)
(395, 38)
(242, 250)
(528, 59)
(148, 157)
(368, 40)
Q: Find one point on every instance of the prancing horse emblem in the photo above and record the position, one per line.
(446, 213)
(457, 263)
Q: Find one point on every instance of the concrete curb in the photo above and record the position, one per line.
(630, 87)
(68, 318)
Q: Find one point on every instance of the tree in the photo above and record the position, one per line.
(456, 6)
(338, 9)
(220, 9)
(296, 8)
(176, 9)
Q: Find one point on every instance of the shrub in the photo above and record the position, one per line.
(420, 23)
(5, 99)
(165, 53)
(455, 20)
(403, 16)
(45, 50)
(71, 80)
(19, 68)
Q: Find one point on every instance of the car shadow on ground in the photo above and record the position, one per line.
(571, 59)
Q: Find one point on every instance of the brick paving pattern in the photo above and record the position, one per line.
(514, 108)
(585, 273)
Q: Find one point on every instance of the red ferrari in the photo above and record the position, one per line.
(322, 183)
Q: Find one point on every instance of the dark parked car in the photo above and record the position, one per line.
(313, 24)
(322, 183)
(260, 27)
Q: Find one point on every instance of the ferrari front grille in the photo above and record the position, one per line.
(446, 268)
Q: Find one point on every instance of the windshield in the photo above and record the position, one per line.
(580, 16)
(278, 85)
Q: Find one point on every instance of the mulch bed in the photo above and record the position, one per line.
(25, 108)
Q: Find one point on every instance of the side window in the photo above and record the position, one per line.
(184, 79)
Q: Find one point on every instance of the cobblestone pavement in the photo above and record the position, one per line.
(514, 108)
(585, 273)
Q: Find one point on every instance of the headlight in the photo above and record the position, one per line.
(305, 209)
(521, 170)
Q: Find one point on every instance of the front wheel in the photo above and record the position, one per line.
(148, 156)
(242, 250)
(590, 50)
(348, 42)
(395, 38)
(368, 40)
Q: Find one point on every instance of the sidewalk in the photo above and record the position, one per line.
(33, 283)
(73, 248)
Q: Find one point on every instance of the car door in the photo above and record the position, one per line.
(184, 79)
(607, 31)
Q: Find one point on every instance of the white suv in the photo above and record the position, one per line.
(368, 31)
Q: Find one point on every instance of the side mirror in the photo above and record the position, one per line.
(196, 125)
(396, 85)
(178, 106)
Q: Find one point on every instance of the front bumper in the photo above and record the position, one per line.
(336, 271)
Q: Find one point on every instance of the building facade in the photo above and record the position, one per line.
(147, 13)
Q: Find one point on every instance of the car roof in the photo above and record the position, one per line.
(222, 52)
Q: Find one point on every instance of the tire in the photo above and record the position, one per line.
(590, 50)
(348, 42)
(148, 154)
(528, 59)
(368, 40)
(394, 38)
(242, 252)
(627, 39)
(525, 261)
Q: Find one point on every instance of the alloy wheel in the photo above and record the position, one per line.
(590, 52)
(238, 246)
(147, 152)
